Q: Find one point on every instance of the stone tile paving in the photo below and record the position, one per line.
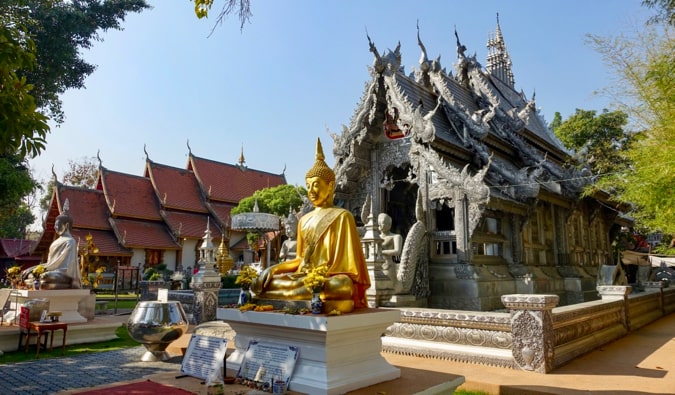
(49, 376)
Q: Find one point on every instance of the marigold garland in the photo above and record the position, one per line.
(246, 276)
(315, 278)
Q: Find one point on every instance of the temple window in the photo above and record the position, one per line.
(489, 239)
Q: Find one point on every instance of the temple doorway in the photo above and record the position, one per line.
(399, 198)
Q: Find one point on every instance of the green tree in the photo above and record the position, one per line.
(645, 69)
(665, 11)
(61, 30)
(556, 122)
(276, 200)
(15, 226)
(598, 139)
(16, 183)
(23, 128)
(40, 46)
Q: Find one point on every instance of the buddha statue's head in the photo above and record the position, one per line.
(320, 180)
(291, 224)
(63, 222)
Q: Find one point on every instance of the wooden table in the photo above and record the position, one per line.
(50, 327)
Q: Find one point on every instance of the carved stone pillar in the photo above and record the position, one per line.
(462, 227)
(206, 283)
(617, 292)
(532, 330)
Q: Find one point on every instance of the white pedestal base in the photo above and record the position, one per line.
(337, 353)
(64, 300)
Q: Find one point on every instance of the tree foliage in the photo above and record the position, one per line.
(241, 7)
(16, 182)
(83, 173)
(61, 30)
(23, 128)
(598, 139)
(644, 65)
(276, 200)
(665, 11)
(40, 58)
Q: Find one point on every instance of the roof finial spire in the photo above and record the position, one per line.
(498, 60)
(242, 166)
(54, 174)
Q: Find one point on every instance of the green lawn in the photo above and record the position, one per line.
(124, 302)
(123, 341)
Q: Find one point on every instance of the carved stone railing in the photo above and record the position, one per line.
(535, 335)
(463, 336)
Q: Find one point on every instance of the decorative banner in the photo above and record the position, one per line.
(268, 362)
(204, 355)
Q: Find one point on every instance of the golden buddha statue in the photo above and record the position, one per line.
(328, 236)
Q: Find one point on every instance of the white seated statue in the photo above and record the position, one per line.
(290, 245)
(62, 270)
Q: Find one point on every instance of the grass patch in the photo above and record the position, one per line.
(466, 392)
(123, 341)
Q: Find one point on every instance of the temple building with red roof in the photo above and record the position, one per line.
(159, 217)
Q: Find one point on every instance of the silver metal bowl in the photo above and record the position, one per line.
(155, 325)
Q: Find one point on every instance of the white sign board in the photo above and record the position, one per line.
(204, 355)
(268, 362)
(163, 295)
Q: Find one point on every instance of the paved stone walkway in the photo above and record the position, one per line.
(49, 376)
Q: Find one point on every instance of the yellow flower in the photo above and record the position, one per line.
(38, 270)
(13, 272)
(246, 276)
(315, 278)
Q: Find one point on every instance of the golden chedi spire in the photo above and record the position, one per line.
(223, 257)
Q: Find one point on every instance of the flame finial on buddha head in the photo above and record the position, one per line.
(320, 168)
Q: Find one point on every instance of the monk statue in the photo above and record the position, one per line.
(327, 236)
(392, 245)
(289, 246)
(61, 269)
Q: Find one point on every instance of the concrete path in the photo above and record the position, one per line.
(642, 362)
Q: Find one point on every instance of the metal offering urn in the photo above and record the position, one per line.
(155, 325)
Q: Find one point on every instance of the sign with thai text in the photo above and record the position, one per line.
(204, 356)
(268, 362)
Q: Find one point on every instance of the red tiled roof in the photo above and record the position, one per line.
(221, 210)
(229, 183)
(189, 225)
(143, 234)
(12, 248)
(87, 206)
(48, 233)
(129, 196)
(176, 188)
(106, 241)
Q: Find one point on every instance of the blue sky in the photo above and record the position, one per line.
(299, 68)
